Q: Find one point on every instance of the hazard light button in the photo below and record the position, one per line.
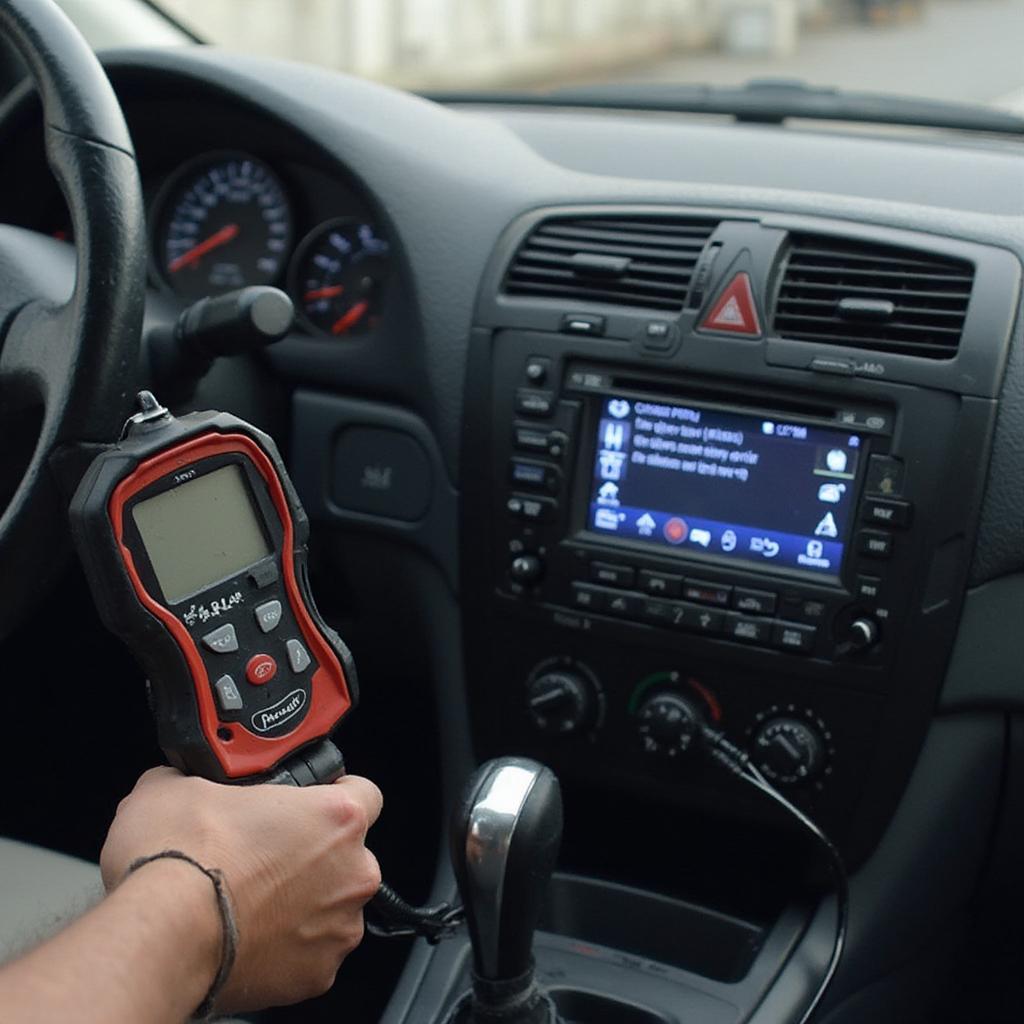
(734, 311)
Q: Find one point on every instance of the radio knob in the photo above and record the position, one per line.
(787, 750)
(526, 570)
(668, 723)
(863, 633)
(561, 702)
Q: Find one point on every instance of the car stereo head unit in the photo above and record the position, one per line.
(746, 517)
(764, 489)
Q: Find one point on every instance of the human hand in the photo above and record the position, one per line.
(294, 861)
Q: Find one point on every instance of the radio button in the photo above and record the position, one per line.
(659, 613)
(612, 575)
(707, 593)
(754, 602)
(228, 696)
(222, 640)
(260, 669)
(268, 615)
(541, 441)
(794, 636)
(588, 598)
(702, 620)
(751, 631)
(540, 510)
(875, 543)
(887, 512)
(661, 584)
(537, 369)
(534, 474)
(531, 402)
(868, 588)
(884, 476)
(298, 656)
(623, 604)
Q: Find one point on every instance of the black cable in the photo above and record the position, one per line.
(738, 763)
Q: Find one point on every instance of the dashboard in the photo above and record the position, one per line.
(643, 422)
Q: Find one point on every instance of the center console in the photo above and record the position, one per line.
(670, 518)
(718, 468)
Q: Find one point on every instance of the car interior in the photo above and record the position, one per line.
(626, 436)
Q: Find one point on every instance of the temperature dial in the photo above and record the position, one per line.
(788, 751)
(561, 702)
(668, 724)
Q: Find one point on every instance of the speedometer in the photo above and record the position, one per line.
(223, 222)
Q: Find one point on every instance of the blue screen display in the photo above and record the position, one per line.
(749, 488)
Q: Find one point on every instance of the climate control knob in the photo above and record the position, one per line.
(668, 724)
(560, 702)
(788, 751)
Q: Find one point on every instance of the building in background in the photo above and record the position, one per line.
(486, 43)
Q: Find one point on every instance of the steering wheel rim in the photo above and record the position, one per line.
(70, 361)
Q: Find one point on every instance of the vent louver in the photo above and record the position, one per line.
(871, 296)
(622, 261)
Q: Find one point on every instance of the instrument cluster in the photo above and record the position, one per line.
(228, 219)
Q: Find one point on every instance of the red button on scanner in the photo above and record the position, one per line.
(260, 669)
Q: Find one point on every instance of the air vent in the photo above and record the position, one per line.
(635, 261)
(879, 297)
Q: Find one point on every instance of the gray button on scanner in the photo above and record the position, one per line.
(298, 656)
(268, 615)
(222, 640)
(227, 694)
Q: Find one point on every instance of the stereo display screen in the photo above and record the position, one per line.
(751, 488)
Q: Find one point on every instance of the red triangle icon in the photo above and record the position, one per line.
(735, 310)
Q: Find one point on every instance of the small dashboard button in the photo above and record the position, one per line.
(589, 599)
(612, 575)
(754, 602)
(886, 511)
(707, 593)
(531, 402)
(751, 631)
(661, 584)
(875, 543)
(794, 636)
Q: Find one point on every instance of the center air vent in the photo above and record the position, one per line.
(634, 261)
(879, 297)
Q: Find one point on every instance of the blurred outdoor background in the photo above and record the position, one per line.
(971, 50)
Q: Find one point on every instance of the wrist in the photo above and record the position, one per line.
(181, 904)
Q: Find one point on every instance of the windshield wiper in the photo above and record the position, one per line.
(770, 101)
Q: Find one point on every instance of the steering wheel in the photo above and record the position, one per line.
(67, 364)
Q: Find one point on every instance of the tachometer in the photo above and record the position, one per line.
(223, 222)
(337, 276)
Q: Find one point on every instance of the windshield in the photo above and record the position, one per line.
(968, 51)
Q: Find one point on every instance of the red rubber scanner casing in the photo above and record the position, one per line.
(191, 728)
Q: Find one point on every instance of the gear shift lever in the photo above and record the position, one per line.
(504, 841)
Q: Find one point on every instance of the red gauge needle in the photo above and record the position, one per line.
(351, 318)
(197, 252)
(330, 292)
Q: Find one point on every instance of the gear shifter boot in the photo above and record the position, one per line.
(504, 842)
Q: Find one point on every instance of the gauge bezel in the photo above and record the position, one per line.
(299, 254)
(159, 208)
